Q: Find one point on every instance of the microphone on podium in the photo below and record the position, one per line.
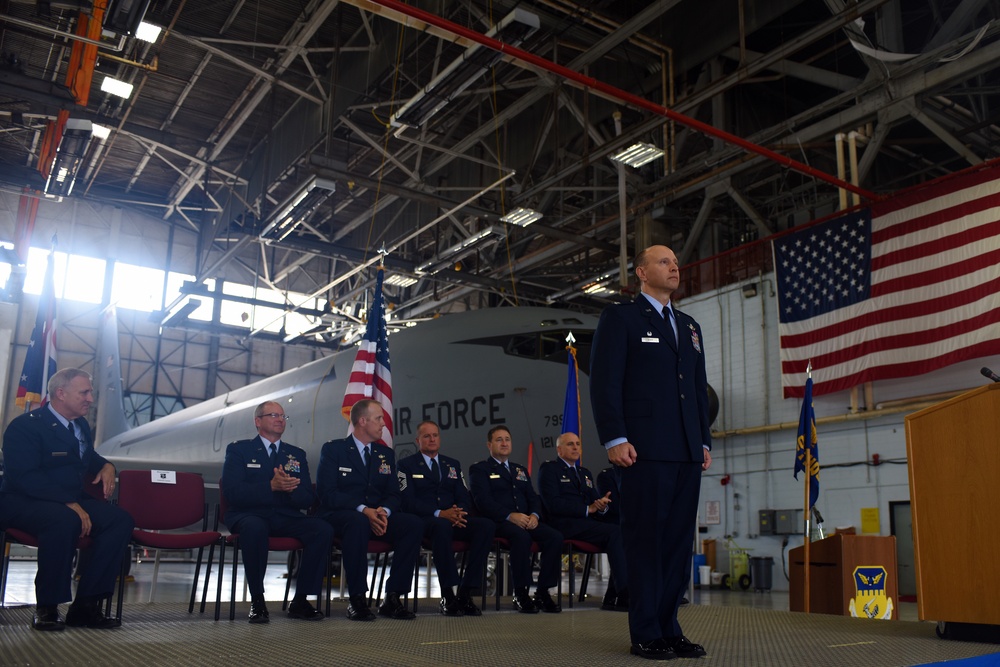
(990, 374)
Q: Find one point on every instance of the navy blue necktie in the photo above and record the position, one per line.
(274, 456)
(435, 471)
(368, 458)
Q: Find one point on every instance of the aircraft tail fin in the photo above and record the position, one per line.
(108, 380)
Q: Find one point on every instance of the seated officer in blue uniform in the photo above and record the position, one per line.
(502, 492)
(433, 488)
(267, 486)
(48, 457)
(359, 492)
(573, 505)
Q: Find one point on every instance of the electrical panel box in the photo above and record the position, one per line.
(766, 522)
(788, 522)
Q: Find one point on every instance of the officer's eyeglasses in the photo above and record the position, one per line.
(275, 415)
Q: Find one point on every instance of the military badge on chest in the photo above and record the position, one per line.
(695, 341)
(292, 465)
(521, 475)
(383, 467)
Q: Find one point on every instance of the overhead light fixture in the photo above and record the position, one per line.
(463, 72)
(639, 154)
(400, 280)
(297, 208)
(147, 32)
(595, 286)
(462, 249)
(100, 131)
(69, 156)
(522, 217)
(115, 87)
(125, 16)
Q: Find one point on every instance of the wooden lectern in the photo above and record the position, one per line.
(832, 583)
(953, 450)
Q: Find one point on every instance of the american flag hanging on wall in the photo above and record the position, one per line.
(904, 287)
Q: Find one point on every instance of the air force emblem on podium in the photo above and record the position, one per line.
(870, 599)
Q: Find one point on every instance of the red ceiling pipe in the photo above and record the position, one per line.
(617, 93)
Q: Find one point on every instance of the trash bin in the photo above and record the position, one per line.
(699, 562)
(760, 572)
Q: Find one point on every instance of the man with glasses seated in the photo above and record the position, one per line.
(267, 486)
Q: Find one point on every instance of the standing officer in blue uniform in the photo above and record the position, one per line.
(573, 505)
(48, 458)
(649, 391)
(433, 489)
(359, 492)
(502, 492)
(267, 485)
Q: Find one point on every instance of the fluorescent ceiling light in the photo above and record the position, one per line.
(638, 154)
(522, 217)
(400, 280)
(461, 249)
(100, 131)
(147, 32)
(116, 87)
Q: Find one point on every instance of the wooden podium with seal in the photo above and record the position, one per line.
(849, 575)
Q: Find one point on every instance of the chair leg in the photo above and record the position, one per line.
(587, 565)
(381, 579)
(122, 578)
(288, 584)
(499, 577)
(572, 578)
(232, 595)
(5, 548)
(156, 573)
(208, 575)
(371, 588)
(194, 584)
(222, 573)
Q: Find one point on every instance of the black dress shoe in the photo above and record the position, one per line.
(451, 607)
(258, 612)
(468, 607)
(89, 615)
(302, 610)
(545, 602)
(47, 619)
(391, 607)
(358, 610)
(685, 648)
(654, 650)
(524, 604)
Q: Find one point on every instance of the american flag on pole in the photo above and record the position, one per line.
(904, 287)
(370, 375)
(40, 360)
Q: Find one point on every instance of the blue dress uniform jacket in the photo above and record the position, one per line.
(497, 493)
(647, 387)
(422, 496)
(43, 471)
(650, 388)
(567, 498)
(247, 474)
(344, 483)
(42, 458)
(257, 512)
